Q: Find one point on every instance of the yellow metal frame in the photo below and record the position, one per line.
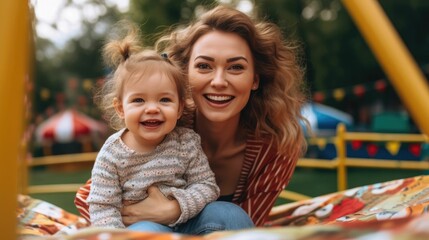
(58, 160)
(404, 74)
(90, 157)
(14, 69)
(342, 162)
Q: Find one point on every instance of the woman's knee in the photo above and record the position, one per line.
(230, 214)
(217, 216)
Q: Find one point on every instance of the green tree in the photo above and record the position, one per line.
(155, 17)
(78, 58)
(336, 54)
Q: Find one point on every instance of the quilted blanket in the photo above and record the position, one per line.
(396, 209)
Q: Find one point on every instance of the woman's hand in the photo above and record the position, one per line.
(156, 208)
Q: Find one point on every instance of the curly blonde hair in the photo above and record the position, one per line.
(124, 53)
(274, 109)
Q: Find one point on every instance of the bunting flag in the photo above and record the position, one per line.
(415, 149)
(356, 145)
(339, 94)
(359, 90)
(372, 149)
(393, 147)
(321, 143)
(319, 97)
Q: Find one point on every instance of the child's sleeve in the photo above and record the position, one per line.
(201, 186)
(105, 197)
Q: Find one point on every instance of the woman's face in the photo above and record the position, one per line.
(221, 75)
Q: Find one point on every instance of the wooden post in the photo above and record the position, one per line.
(14, 49)
(341, 157)
(385, 43)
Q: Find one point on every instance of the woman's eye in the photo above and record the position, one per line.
(203, 66)
(236, 67)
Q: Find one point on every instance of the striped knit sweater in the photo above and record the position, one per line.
(264, 175)
(178, 166)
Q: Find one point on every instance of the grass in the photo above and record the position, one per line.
(308, 181)
(41, 176)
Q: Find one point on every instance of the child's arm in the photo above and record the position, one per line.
(105, 198)
(201, 184)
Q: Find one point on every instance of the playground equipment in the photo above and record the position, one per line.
(14, 70)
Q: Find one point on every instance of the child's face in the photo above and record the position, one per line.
(150, 108)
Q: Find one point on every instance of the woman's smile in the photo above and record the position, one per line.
(218, 99)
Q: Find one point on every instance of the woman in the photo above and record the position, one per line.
(247, 87)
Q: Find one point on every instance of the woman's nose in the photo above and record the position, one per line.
(219, 80)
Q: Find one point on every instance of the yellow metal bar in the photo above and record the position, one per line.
(316, 140)
(386, 137)
(406, 77)
(294, 196)
(317, 163)
(14, 48)
(341, 157)
(61, 159)
(54, 188)
(384, 163)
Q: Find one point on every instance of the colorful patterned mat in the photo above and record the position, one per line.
(391, 210)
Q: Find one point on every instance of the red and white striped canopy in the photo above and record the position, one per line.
(67, 126)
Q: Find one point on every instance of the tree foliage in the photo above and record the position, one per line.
(335, 53)
(78, 58)
(156, 17)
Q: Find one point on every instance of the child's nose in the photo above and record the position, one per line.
(151, 108)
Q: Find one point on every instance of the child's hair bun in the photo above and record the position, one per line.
(123, 41)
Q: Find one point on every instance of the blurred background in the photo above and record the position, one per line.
(344, 81)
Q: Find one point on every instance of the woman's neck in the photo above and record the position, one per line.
(216, 136)
(224, 143)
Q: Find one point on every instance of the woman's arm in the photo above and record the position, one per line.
(261, 205)
(265, 184)
(156, 208)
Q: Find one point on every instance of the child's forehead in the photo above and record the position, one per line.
(140, 76)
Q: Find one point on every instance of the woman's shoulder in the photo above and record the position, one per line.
(262, 145)
(261, 139)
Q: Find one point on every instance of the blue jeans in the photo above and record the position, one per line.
(216, 216)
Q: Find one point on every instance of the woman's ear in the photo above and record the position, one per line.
(255, 83)
(118, 108)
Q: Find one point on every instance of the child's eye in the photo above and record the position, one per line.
(165, 100)
(137, 100)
